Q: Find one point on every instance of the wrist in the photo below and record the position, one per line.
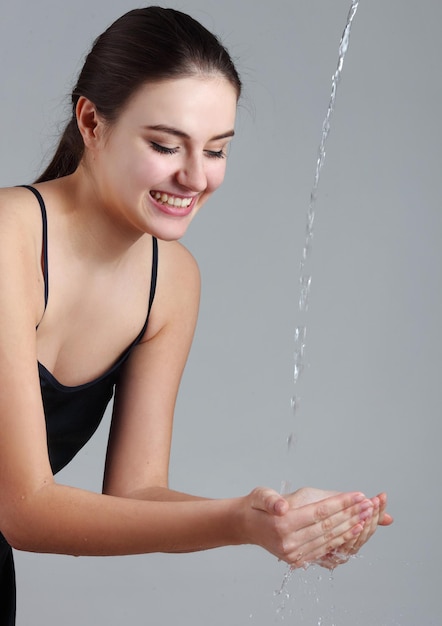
(240, 521)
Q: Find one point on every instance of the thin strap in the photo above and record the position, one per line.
(153, 284)
(44, 220)
(153, 279)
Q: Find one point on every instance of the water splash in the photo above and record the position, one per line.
(283, 594)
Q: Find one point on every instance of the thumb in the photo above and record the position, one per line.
(269, 501)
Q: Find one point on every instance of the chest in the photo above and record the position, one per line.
(92, 315)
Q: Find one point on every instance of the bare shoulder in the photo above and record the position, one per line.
(18, 210)
(20, 249)
(176, 255)
(178, 286)
(177, 267)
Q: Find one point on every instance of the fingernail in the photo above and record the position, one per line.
(356, 530)
(280, 507)
(358, 498)
(365, 514)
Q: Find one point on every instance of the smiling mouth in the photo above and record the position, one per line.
(174, 201)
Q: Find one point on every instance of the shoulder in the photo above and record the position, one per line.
(14, 197)
(20, 249)
(176, 262)
(19, 210)
(178, 286)
(176, 255)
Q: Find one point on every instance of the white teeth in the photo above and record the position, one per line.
(172, 200)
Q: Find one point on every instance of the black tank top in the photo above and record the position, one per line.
(74, 413)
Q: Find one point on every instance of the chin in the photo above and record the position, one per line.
(169, 232)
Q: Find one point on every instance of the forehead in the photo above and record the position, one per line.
(195, 105)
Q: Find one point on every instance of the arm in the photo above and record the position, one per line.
(38, 514)
(138, 454)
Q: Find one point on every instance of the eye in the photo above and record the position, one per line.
(213, 154)
(162, 149)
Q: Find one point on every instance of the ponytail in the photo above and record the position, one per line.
(68, 154)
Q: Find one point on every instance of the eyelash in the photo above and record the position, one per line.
(211, 154)
(216, 155)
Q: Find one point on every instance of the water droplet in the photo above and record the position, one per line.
(297, 371)
(300, 335)
(305, 282)
(294, 404)
(286, 487)
(291, 441)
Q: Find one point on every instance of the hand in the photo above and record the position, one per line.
(305, 526)
(378, 518)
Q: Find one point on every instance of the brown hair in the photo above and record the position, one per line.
(144, 45)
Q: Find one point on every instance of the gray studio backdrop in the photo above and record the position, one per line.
(371, 409)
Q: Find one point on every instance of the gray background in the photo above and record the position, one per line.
(370, 413)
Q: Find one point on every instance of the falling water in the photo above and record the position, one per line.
(305, 278)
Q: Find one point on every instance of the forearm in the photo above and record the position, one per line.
(66, 520)
(164, 494)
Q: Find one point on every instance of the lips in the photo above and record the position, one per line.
(177, 206)
(176, 201)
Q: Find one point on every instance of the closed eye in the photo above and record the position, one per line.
(163, 149)
(215, 154)
(211, 154)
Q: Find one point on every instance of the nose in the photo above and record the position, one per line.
(192, 173)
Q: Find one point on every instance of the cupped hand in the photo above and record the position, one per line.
(378, 517)
(303, 527)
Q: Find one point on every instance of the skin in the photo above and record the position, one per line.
(170, 138)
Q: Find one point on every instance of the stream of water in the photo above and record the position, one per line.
(305, 282)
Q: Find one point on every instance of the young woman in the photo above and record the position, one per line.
(97, 297)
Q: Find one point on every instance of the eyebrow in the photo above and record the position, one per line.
(179, 133)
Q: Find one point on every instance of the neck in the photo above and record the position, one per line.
(96, 230)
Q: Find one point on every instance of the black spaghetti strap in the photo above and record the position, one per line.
(153, 280)
(44, 220)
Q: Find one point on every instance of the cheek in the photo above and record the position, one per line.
(145, 169)
(216, 176)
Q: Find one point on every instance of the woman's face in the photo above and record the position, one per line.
(166, 153)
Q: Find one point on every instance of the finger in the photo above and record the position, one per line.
(321, 551)
(269, 501)
(328, 535)
(339, 507)
(384, 518)
(370, 526)
(326, 519)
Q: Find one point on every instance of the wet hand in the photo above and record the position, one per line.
(303, 527)
(379, 517)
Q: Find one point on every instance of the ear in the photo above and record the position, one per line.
(90, 124)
